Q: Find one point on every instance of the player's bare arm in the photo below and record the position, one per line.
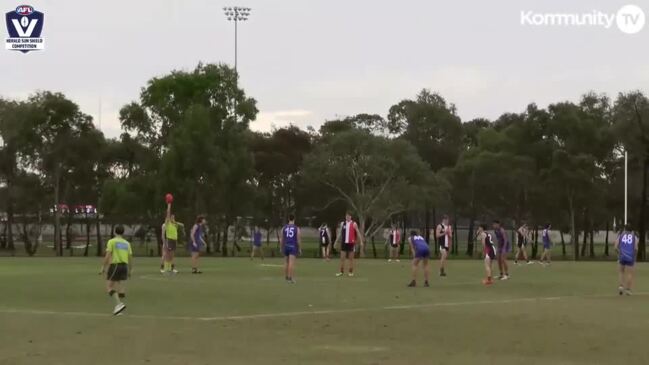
(358, 233)
(107, 260)
(299, 241)
(335, 242)
(193, 235)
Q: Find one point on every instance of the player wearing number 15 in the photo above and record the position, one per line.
(290, 245)
(627, 247)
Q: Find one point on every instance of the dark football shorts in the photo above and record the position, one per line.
(171, 244)
(117, 272)
(347, 247)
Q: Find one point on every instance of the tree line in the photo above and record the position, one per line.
(189, 134)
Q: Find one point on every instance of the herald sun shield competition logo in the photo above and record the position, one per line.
(24, 26)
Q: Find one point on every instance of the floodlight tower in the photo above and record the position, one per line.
(236, 14)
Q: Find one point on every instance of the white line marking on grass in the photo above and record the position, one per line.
(311, 312)
(271, 265)
(311, 280)
(157, 278)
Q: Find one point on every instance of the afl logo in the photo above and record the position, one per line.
(25, 26)
(24, 10)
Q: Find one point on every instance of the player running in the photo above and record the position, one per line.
(256, 244)
(420, 253)
(489, 251)
(119, 261)
(198, 242)
(503, 250)
(325, 241)
(394, 240)
(349, 234)
(290, 246)
(443, 235)
(523, 235)
(547, 246)
(626, 246)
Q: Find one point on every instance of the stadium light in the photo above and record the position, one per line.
(236, 14)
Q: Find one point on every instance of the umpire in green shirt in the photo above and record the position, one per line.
(118, 259)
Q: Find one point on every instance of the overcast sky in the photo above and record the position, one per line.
(307, 61)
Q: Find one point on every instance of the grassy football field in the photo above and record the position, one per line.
(55, 311)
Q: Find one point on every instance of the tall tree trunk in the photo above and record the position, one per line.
(157, 229)
(606, 240)
(454, 240)
(10, 202)
(573, 234)
(435, 228)
(30, 247)
(535, 245)
(10, 216)
(426, 224)
(68, 232)
(3, 237)
(235, 240)
(592, 242)
(563, 244)
(209, 239)
(100, 244)
(643, 212)
(373, 247)
(585, 238)
(224, 246)
(361, 227)
(404, 227)
(217, 241)
(58, 245)
(85, 252)
(470, 238)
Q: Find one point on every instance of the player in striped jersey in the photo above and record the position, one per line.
(626, 246)
(325, 241)
(523, 235)
(394, 240)
(489, 251)
(349, 235)
(443, 235)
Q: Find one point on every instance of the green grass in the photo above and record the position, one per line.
(55, 311)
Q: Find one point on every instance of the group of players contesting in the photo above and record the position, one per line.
(117, 263)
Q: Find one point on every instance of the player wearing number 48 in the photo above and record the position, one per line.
(626, 247)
